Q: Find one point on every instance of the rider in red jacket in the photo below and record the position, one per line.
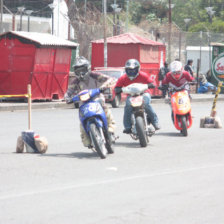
(177, 77)
(142, 77)
(134, 75)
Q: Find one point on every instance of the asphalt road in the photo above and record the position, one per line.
(174, 180)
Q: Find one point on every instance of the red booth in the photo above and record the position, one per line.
(39, 59)
(149, 53)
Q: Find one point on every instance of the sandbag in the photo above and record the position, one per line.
(28, 138)
(41, 143)
(33, 143)
(20, 145)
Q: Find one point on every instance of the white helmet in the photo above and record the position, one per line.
(176, 67)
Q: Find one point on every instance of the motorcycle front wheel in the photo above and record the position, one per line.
(109, 143)
(97, 141)
(184, 125)
(141, 131)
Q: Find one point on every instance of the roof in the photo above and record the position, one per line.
(129, 38)
(217, 44)
(41, 39)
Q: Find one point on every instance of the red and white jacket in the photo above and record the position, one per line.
(177, 81)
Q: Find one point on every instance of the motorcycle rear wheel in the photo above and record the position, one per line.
(141, 131)
(184, 126)
(97, 140)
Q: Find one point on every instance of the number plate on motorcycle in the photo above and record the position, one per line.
(136, 101)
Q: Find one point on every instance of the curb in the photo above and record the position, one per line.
(6, 106)
(194, 99)
(23, 106)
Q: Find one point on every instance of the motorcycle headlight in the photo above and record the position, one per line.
(84, 97)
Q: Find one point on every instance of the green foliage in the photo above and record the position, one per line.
(202, 26)
(157, 10)
(135, 9)
(193, 9)
(218, 26)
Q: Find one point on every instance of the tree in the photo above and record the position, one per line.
(152, 10)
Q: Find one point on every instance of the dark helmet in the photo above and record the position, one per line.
(132, 68)
(81, 66)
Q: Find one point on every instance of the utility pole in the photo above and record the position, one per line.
(52, 6)
(85, 8)
(170, 29)
(13, 17)
(170, 6)
(114, 7)
(127, 15)
(21, 10)
(28, 12)
(58, 17)
(1, 26)
(105, 32)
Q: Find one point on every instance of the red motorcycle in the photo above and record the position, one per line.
(181, 108)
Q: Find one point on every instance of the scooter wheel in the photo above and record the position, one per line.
(184, 126)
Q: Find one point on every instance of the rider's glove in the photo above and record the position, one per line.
(68, 100)
(151, 86)
(163, 87)
(118, 90)
(102, 89)
(193, 83)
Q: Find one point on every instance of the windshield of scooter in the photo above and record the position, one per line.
(135, 89)
(173, 88)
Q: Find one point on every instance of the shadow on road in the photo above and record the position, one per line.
(170, 134)
(78, 155)
(133, 145)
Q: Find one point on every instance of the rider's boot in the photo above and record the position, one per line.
(110, 120)
(85, 138)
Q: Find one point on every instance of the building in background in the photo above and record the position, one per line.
(41, 20)
(201, 53)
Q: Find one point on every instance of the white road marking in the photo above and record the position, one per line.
(112, 168)
(76, 186)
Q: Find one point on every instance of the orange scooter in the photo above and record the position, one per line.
(181, 108)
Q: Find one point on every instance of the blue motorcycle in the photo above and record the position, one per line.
(94, 121)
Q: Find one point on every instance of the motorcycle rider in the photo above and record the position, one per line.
(86, 79)
(134, 75)
(177, 77)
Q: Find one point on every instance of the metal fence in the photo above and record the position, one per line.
(179, 42)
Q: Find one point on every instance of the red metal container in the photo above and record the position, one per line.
(149, 53)
(39, 59)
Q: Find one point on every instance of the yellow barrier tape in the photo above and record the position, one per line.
(26, 95)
